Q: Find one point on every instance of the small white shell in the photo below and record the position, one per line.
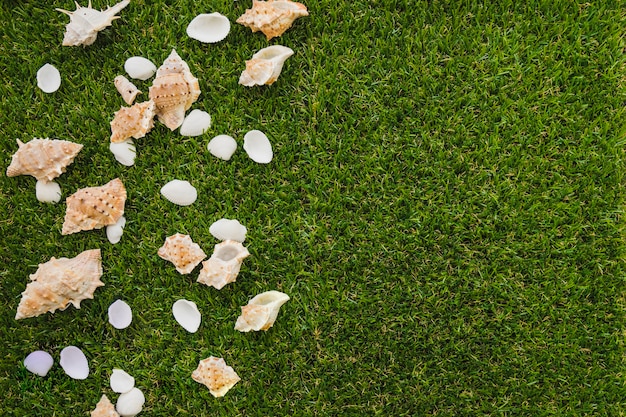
(39, 362)
(179, 192)
(139, 68)
(120, 314)
(227, 229)
(187, 315)
(48, 78)
(48, 191)
(258, 147)
(124, 152)
(209, 27)
(130, 403)
(222, 146)
(196, 123)
(121, 382)
(115, 231)
(74, 362)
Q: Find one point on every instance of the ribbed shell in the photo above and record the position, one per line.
(216, 375)
(86, 22)
(180, 250)
(135, 121)
(224, 264)
(104, 408)
(272, 18)
(44, 159)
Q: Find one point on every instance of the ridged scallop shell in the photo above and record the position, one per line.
(59, 282)
(265, 66)
(126, 88)
(261, 311)
(216, 375)
(94, 207)
(179, 192)
(104, 408)
(173, 91)
(224, 264)
(86, 22)
(135, 121)
(272, 18)
(180, 250)
(44, 159)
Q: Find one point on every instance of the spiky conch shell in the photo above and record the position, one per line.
(60, 282)
(173, 91)
(216, 375)
(134, 121)
(94, 207)
(44, 159)
(104, 408)
(224, 264)
(86, 22)
(180, 250)
(271, 17)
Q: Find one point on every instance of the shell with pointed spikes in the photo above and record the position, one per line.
(224, 265)
(134, 121)
(86, 22)
(60, 282)
(261, 311)
(180, 250)
(44, 159)
(271, 17)
(216, 375)
(126, 88)
(94, 207)
(104, 408)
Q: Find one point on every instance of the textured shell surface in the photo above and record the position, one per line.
(180, 250)
(39, 362)
(120, 314)
(74, 362)
(272, 18)
(224, 264)
(121, 381)
(196, 123)
(60, 282)
(139, 68)
(130, 403)
(261, 311)
(104, 408)
(209, 27)
(135, 121)
(265, 66)
(124, 152)
(258, 147)
(126, 88)
(187, 315)
(228, 229)
(86, 22)
(222, 146)
(44, 159)
(179, 192)
(94, 207)
(48, 78)
(216, 375)
(48, 191)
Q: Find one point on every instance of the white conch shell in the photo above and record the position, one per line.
(180, 250)
(209, 27)
(187, 315)
(173, 91)
(104, 408)
(124, 152)
(120, 314)
(196, 123)
(48, 78)
(224, 265)
(127, 89)
(48, 191)
(265, 66)
(139, 68)
(44, 159)
(59, 282)
(228, 229)
(179, 192)
(130, 403)
(39, 362)
(222, 146)
(120, 381)
(258, 147)
(135, 121)
(86, 22)
(272, 18)
(74, 362)
(94, 207)
(216, 375)
(261, 311)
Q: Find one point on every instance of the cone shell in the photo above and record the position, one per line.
(44, 159)
(94, 207)
(59, 282)
(126, 88)
(86, 22)
(272, 18)
(180, 250)
(134, 121)
(216, 375)
(224, 265)
(261, 311)
(104, 408)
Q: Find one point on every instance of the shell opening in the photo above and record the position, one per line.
(227, 253)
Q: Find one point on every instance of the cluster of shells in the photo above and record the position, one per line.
(60, 282)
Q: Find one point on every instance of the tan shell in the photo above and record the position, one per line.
(216, 375)
(94, 207)
(135, 121)
(261, 311)
(86, 22)
(223, 266)
(180, 250)
(59, 282)
(265, 66)
(272, 18)
(126, 88)
(44, 159)
(173, 91)
(104, 408)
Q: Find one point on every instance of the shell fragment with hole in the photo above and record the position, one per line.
(124, 152)
(139, 68)
(126, 88)
(222, 146)
(272, 18)
(48, 191)
(86, 22)
(48, 78)
(60, 282)
(216, 375)
(224, 264)
(74, 362)
(265, 66)
(196, 123)
(261, 311)
(104, 408)
(134, 121)
(179, 192)
(180, 250)
(94, 207)
(258, 147)
(39, 362)
(187, 315)
(44, 159)
(209, 27)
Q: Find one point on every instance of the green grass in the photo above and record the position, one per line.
(444, 209)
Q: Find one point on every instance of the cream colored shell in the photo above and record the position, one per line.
(104, 408)
(265, 66)
(224, 264)
(126, 88)
(216, 375)
(86, 22)
(44, 159)
(135, 121)
(272, 18)
(180, 250)
(261, 311)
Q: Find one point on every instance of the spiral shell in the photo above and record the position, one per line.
(104, 408)
(216, 375)
(271, 17)
(135, 121)
(223, 266)
(44, 159)
(180, 250)
(86, 22)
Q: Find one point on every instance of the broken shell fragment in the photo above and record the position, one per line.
(139, 68)
(179, 192)
(228, 229)
(265, 66)
(48, 191)
(272, 18)
(135, 121)
(209, 27)
(261, 311)
(120, 314)
(180, 250)
(258, 147)
(216, 375)
(104, 408)
(130, 403)
(196, 123)
(121, 381)
(44, 159)
(187, 315)
(124, 152)
(224, 264)
(127, 89)
(86, 22)
(115, 231)
(222, 146)
(74, 362)
(48, 78)
(39, 362)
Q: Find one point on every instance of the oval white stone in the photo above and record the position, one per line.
(222, 146)
(196, 123)
(124, 152)
(48, 191)
(227, 229)
(74, 362)
(187, 315)
(39, 362)
(179, 192)
(258, 147)
(209, 27)
(130, 403)
(120, 314)
(139, 68)
(48, 78)
(121, 382)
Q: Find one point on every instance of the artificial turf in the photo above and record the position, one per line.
(444, 209)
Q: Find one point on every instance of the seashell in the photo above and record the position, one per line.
(216, 375)
(187, 315)
(48, 78)
(226, 229)
(272, 18)
(223, 266)
(74, 362)
(94, 207)
(139, 68)
(180, 250)
(179, 192)
(48, 191)
(86, 22)
(39, 362)
(265, 66)
(124, 152)
(115, 231)
(44, 159)
(209, 27)
(173, 91)
(222, 146)
(258, 147)
(120, 314)
(134, 121)
(127, 89)
(196, 123)
(130, 403)
(121, 382)
(59, 282)
(261, 311)
(104, 408)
